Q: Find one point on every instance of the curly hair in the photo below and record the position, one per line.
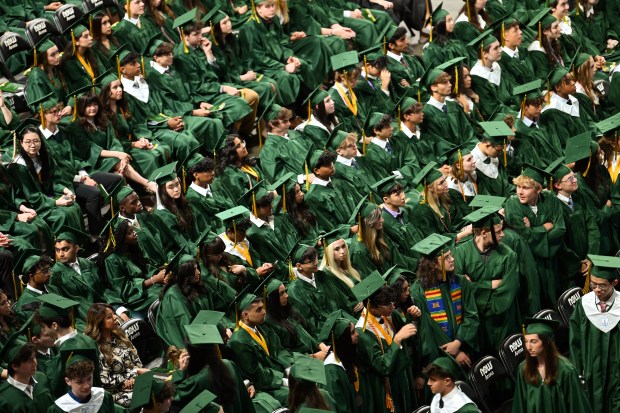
(427, 273)
(46, 173)
(79, 369)
(398, 288)
(95, 319)
(228, 155)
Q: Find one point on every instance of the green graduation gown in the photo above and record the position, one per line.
(67, 403)
(565, 395)
(499, 316)
(280, 155)
(342, 390)
(127, 283)
(76, 74)
(237, 182)
(16, 401)
(330, 206)
(442, 131)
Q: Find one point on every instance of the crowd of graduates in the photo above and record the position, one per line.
(307, 215)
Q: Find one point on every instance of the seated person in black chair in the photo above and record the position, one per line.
(442, 374)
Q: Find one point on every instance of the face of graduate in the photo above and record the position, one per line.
(602, 288)
(164, 406)
(330, 106)
(404, 294)
(204, 178)
(280, 126)
(155, 3)
(131, 205)
(242, 151)
(41, 276)
(173, 188)
(440, 186)
(166, 59)
(85, 40)
(46, 338)
(469, 163)
(80, 386)
(442, 89)
(385, 310)
(385, 133)
(325, 172)
(567, 184)
(136, 8)
(106, 26)
(494, 54)
(131, 69)
(283, 295)
(255, 315)
(299, 194)
(131, 238)
(395, 199)
(5, 306)
(53, 56)
(66, 252)
(399, 46)
(196, 278)
(354, 335)
(448, 264)
(532, 111)
(265, 212)
(449, 24)
(52, 116)
(438, 385)
(480, 4)
(116, 90)
(91, 110)
(553, 33)
(491, 150)
(194, 38)
(109, 321)
(31, 143)
(591, 65)
(562, 8)
(226, 25)
(340, 251)
(26, 368)
(566, 86)
(527, 194)
(417, 118)
(513, 37)
(534, 345)
(347, 149)
(266, 10)
(309, 267)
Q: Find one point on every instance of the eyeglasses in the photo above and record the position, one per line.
(32, 143)
(601, 287)
(571, 178)
(54, 112)
(47, 270)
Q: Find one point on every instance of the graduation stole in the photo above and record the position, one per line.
(86, 65)
(250, 171)
(614, 168)
(378, 331)
(352, 103)
(258, 337)
(242, 249)
(436, 307)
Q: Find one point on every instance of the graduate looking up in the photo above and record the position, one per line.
(546, 381)
(442, 374)
(594, 334)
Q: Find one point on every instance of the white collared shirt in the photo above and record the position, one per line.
(26, 388)
(468, 187)
(64, 338)
(397, 57)
(75, 266)
(379, 142)
(452, 401)
(319, 181)
(230, 246)
(344, 161)
(314, 122)
(559, 103)
(34, 290)
(132, 21)
(302, 277)
(509, 51)
(492, 74)
(463, 18)
(408, 132)
(563, 198)
(434, 102)
(159, 67)
(566, 26)
(202, 191)
(491, 170)
(527, 121)
(259, 222)
(141, 92)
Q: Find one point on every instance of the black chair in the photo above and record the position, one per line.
(423, 409)
(11, 45)
(152, 314)
(512, 353)
(466, 388)
(567, 301)
(493, 385)
(40, 29)
(67, 15)
(90, 6)
(145, 341)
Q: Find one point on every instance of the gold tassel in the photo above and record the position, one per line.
(291, 273)
(143, 67)
(577, 9)
(468, 11)
(154, 402)
(505, 154)
(551, 183)
(218, 352)
(419, 96)
(371, 198)
(185, 49)
(73, 42)
(400, 122)
(430, 37)
(523, 106)
(254, 15)
(366, 67)
(456, 80)
(540, 33)
(307, 177)
(523, 329)
(212, 33)
(503, 33)
(284, 198)
(366, 315)
(118, 66)
(15, 286)
(235, 231)
(236, 317)
(548, 97)
(14, 144)
(260, 135)
(309, 110)
(324, 242)
(334, 347)
(183, 177)
(74, 117)
(72, 315)
(254, 203)
(90, 24)
(586, 287)
(460, 162)
(384, 44)
(42, 115)
(363, 142)
(127, 7)
(214, 155)
(265, 296)
(34, 63)
(425, 192)
(482, 52)
(360, 236)
(588, 167)
(111, 241)
(443, 267)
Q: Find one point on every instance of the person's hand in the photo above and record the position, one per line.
(183, 360)
(495, 284)
(266, 268)
(233, 91)
(24, 208)
(124, 317)
(242, 10)
(548, 226)
(176, 124)
(585, 266)
(290, 68)
(612, 43)
(356, 14)
(248, 76)
(89, 181)
(463, 359)
(237, 269)
(462, 99)
(320, 355)
(609, 203)
(358, 307)
(355, 229)
(140, 144)
(343, 33)
(385, 4)
(123, 156)
(419, 383)
(228, 333)
(53, 6)
(404, 83)
(386, 77)
(64, 200)
(201, 112)
(25, 217)
(323, 347)
(452, 347)
(66, 111)
(5, 241)
(404, 333)
(206, 45)
(160, 277)
(414, 311)
(297, 36)
(251, 391)
(128, 384)
(526, 222)
(142, 371)
(221, 410)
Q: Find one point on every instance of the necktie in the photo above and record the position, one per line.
(570, 203)
(487, 160)
(354, 163)
(440, 403)
(388, 148)
(167, 72)
(568, 102)
(534, 125)
(136, 85)
(603, 306)
(329, 185)
(404, 63)
(516, 56)
(444, 108)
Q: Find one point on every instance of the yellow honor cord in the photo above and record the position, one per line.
(586, 286)
(360, 236)
(284, 198)
(307, 176)
(366, 313)
(185, 48)
(363, 142)
(456, 80)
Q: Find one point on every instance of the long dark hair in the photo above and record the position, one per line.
(217, 247)
(122, 104)
(473, 14)
(398, 290)
(594, 178)
(553, 49)
(321, 115)
(44, 159)
(97, 34)
(11, 320)
(346, 352)
(281, 314)
(183, 277)
(228, 41)
(303, 219)
(179, 207)
(101, 120)
(551, 356)
(133, 252)
(304, 392)
(154, 12)
(206, 356)
(89, 56)
(427, 273)
(228, 155)
(51, 71)
(440, 34)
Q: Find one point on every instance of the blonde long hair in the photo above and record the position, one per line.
(373, 238)
(340, 271)
(282, 10)
(435, 202)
